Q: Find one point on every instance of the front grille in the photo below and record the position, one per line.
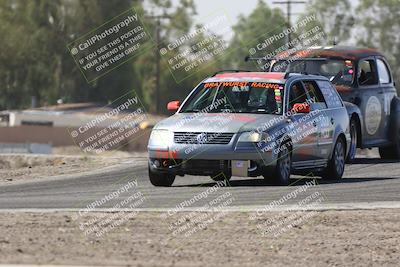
(202, 138)
(203, 164)
(205, 167)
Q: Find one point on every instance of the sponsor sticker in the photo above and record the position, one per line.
(373, 113)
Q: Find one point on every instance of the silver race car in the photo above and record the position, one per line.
(247, 124)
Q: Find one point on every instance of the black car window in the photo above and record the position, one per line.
(338, 71)
(383, 71)
(330, 94)
(297, 94)
(367, 74)
(315, 94)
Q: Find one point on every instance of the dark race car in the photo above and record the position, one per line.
(364, 80)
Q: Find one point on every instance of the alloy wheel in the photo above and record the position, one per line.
(339, 157)
(285, 163)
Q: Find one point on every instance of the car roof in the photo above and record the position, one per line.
(263, 75)
(343, 52)
(273, 77)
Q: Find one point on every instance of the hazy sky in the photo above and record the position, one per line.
(234, 8)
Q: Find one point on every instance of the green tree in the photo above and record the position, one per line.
(87, 16)
(179, 23)
(34, 60)
(335, 17)
(252, 30)
(30, 31)
(380, 25)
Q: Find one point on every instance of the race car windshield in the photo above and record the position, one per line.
(339, 72)
(236, 97)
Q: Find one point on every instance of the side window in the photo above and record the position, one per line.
(315, 94)
(367, 74)
(383, 71)
(330, 94)
(297, 94)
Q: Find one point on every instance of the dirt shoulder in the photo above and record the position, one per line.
(330, 238)
(27, 167)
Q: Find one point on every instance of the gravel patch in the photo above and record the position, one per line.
(330, 238)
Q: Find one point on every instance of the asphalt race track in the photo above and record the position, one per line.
(366, 181)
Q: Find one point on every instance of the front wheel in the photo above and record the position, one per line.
(335, 168)
(161, 179)
(281, 173)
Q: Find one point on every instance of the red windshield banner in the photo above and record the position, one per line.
(251, 84)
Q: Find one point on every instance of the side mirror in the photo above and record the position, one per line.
(173, 105)
(301, 108)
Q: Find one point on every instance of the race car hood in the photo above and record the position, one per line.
(216, 122)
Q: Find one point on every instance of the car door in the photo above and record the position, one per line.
(372, 100)
(334, 111)
(302, 128)
(388, 92)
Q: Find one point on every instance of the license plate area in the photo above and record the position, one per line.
(240, 167)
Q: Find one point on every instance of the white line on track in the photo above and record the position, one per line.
(35, 265)
(321, 207)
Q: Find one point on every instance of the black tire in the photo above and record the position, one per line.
(393, 151)
(386, 152)
(161, 179)
(354, 138)
(336, 164)
(220, 177)
(280, 175)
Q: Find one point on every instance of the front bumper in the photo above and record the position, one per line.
(212, 159)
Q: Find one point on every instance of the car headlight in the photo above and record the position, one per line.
(253, 137)
(161, 138)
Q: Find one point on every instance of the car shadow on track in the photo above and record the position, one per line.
(342, 181)
(293, 182)
(372, 161)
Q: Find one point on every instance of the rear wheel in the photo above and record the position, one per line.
(353, 144)
(386, 152)
(161, 179)
(335, 168)
(281, 173)
(393, 151)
